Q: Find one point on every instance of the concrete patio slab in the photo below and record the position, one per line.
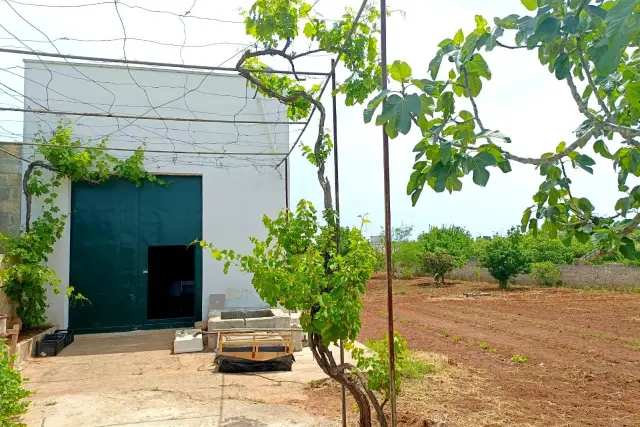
(132, 379)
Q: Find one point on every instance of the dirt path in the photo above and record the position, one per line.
(582, 369)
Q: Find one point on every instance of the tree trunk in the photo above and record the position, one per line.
(25, 187)
(326, 361)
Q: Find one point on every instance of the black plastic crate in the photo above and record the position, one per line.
(69, 335)
(50, 345)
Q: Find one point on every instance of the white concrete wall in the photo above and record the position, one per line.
(237, 191)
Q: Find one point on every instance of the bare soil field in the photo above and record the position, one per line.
(581, 347)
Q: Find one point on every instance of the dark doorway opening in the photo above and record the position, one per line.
(171, 284)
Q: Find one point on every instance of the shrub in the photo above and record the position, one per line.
(437, 264)
(406, 259)
(453, 240)
(542, 248)
(477, 275)
(479, 248)
(518, 358)
(545, 273)
(381, 261)
(505, 258)
(376, 368)
(12, 395)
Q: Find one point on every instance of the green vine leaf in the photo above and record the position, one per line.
(373, 105)
(398, 112)
(530, 4)
(400, 71)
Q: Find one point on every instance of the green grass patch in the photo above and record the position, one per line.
(518, 358)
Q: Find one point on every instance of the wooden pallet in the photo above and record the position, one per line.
(12, 336)
(258, 346)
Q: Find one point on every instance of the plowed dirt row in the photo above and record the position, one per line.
(583, 365)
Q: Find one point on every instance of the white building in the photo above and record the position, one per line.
(124, 246)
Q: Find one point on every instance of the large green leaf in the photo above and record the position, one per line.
(397, 113)
(427, 104)
(310, 29)
(459, 38)
(475, 85)
(570, 24)
(585, 205)
(601, 148)
(400, 71)
(505, 166)
(479, 165)
(530, 4)
(526, 27)
(585, 162)
(446, 104)
(562, 66)
(618, 25)
(429, 87)
(526, 216)
(478, 66)
(628, 248)
(623, 205)
(434, 65)
(445, 152)
(373, 105)
(508, 23)
(492, 40)
(481, 176)
(547, 29)
(632, 90)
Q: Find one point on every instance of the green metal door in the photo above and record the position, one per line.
(112, 226)
(170, 215)
(104, 250)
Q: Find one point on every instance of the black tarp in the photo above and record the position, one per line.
(237, 365)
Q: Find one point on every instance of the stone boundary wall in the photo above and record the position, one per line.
(604, 276)
(10, 189)
(6, 305)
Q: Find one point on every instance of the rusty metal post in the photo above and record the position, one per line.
(387, 218)
(286, 183)
(343, 393)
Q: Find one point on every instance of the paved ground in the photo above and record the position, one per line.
(133, 379)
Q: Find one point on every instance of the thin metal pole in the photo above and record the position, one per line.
(343, 393)
(387, 217)
(132, 116)
(286, 183)
(159, 64)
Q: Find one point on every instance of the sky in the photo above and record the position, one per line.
(522, 100)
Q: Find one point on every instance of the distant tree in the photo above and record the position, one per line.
(505, 257)
(401, 233)
(407, 259)
(405, 254)
(479, 248)
(541, 248)
(545, 273)
(437, 264)
(453, 240)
